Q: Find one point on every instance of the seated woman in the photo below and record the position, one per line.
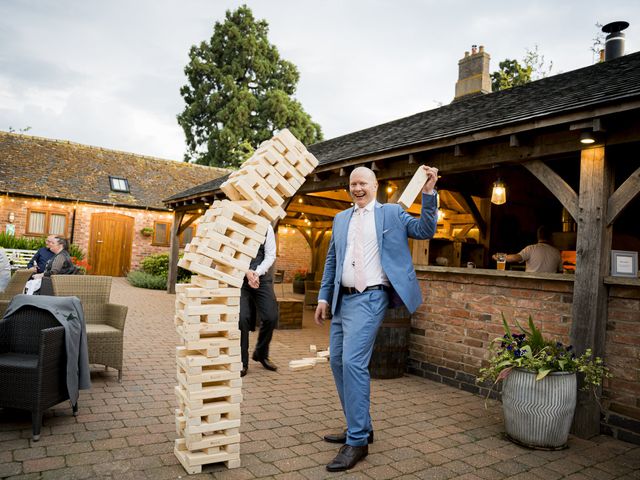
(61, 263)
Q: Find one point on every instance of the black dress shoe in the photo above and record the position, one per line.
(347, 458)
(243, 372)
(342, 437)
(266, 362)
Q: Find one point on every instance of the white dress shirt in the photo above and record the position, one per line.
(269, 253)
(372, 265)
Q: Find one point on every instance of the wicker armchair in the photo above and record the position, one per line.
(105, 321)
(33, 363)
(16, 285)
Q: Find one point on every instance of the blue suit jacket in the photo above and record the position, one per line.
(393, 228)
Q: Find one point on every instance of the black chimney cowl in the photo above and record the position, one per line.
(614, 43)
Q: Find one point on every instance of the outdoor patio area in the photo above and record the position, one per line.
(423, 429)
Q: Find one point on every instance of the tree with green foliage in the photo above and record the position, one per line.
(239, 94)
(512, 73)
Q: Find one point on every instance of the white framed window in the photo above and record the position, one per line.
(43, 223)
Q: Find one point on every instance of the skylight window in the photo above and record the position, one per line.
(119, 184)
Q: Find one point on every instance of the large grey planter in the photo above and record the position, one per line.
(538, 414)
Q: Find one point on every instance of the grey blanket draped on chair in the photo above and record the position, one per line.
(68, 311)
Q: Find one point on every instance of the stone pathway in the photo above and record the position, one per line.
(424, 430)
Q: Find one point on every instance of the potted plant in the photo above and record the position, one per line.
(299, 277)
(539, 391)
(146, 231)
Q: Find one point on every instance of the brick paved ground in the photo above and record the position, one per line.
(424, 430)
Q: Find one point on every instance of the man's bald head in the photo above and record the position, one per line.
(363, 186)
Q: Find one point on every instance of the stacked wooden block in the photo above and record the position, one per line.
(209, 389)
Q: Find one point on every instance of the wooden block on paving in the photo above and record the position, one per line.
(313, 348)
(301, 366)
(413, 188)
(323, 353)
(193, 461)
(219, 439)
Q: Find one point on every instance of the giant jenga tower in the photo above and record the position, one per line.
(207, 310)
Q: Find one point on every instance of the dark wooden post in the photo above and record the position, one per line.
(592, 264)
(174, 252)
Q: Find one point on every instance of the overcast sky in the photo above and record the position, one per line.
(108, 73)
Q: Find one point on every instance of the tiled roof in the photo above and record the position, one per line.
(207, 187)
(603, 83)
(66, 170)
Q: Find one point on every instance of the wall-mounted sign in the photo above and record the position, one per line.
(624, 264)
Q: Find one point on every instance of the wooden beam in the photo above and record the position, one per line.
(340, 195)
(174, 252)
(306, 236)
(313, 210)
(589, 308)
(188, 222)
(622, 196)
(556, 185)
(296, 222)
(467, 203)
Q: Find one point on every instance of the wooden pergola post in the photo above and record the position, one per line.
(174, 252)
(593, 245)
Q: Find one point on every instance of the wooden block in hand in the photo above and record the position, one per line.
(414, 188)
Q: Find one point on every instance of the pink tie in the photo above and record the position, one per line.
(358, 255)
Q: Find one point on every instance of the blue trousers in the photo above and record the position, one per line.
(353, 332)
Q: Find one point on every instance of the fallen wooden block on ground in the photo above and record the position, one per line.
(301, 364)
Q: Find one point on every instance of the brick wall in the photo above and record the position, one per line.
(622, 354)
(294, 252)
(141, 247)
(461, 314)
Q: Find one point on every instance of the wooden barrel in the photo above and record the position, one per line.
(391, 350)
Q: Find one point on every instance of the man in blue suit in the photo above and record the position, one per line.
(368, 260)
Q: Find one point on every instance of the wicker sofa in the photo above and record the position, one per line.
(105, 321)
(33, 363)
(15, 286)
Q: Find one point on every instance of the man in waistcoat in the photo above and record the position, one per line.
(258, 297)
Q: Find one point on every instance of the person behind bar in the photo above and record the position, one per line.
(540, 257)
(257, 296)
(368, 260)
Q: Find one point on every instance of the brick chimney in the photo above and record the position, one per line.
(473, 74)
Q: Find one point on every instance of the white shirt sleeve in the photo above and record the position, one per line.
(269, 253)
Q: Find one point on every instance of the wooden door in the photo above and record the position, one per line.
(110, 244)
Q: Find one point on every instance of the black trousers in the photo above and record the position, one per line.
(257, 302)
